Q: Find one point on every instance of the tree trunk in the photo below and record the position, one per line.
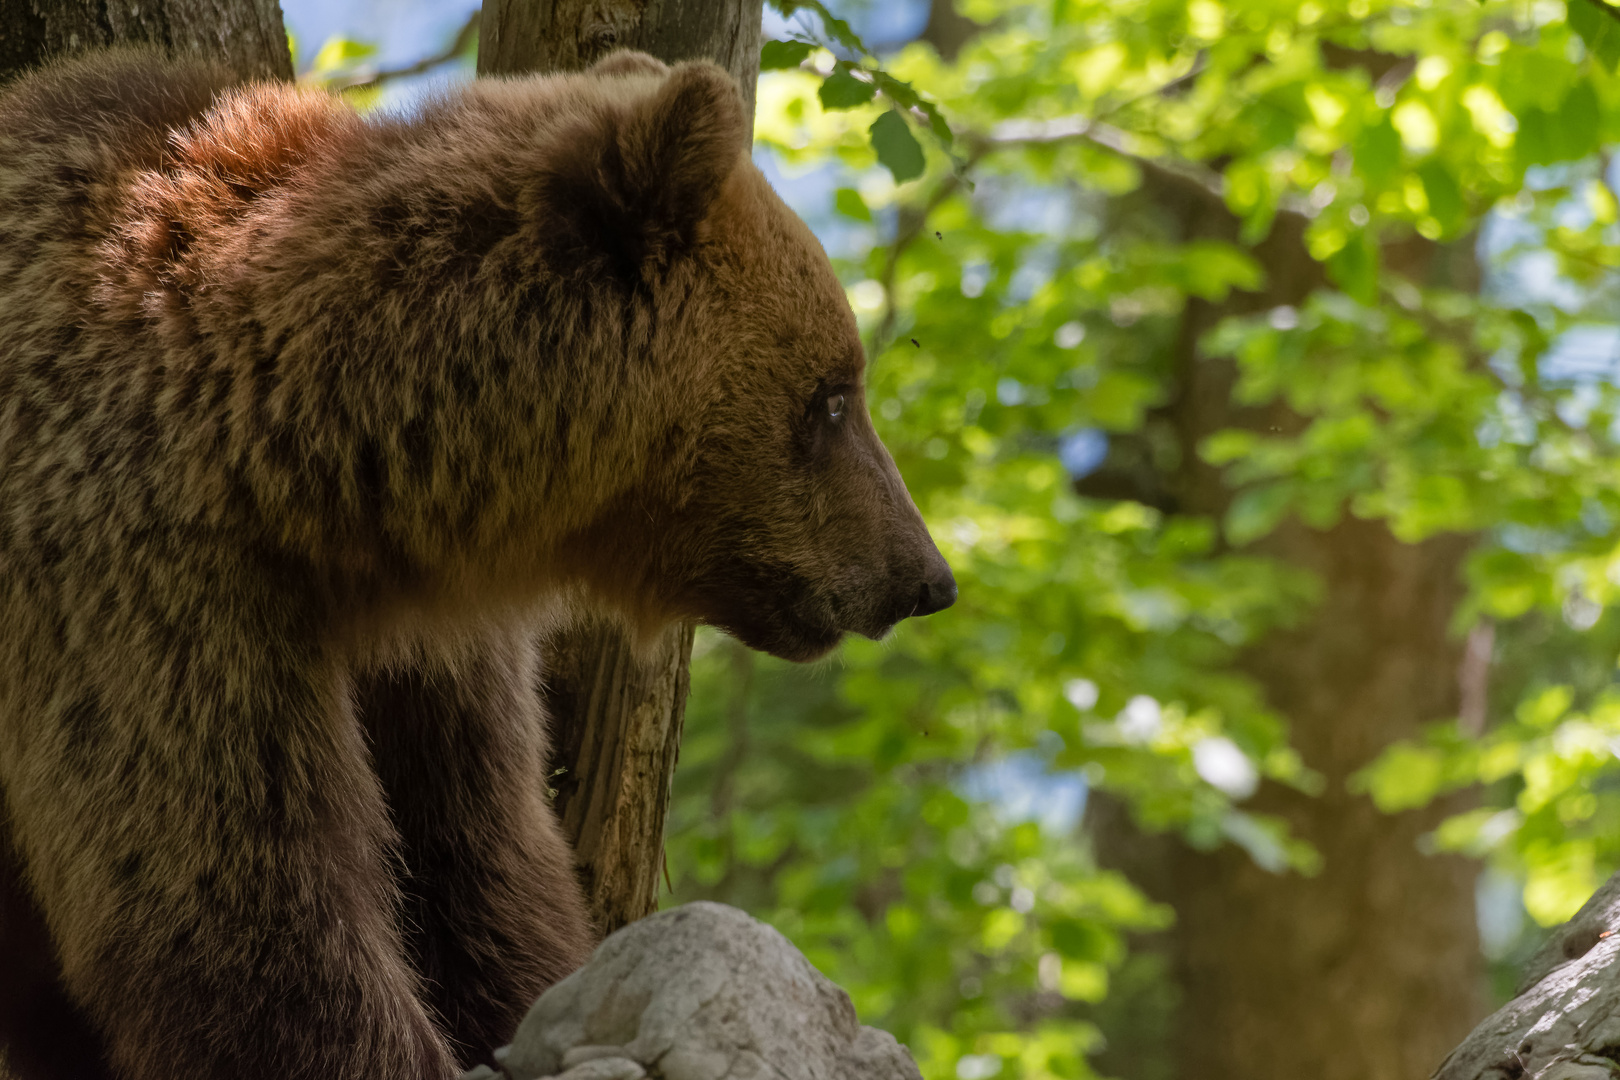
(1369, 970)
(245, 35)
(616, 718)
(566, 35)
(616, 734)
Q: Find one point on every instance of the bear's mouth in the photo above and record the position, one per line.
(786, 638)
(774, 611)
(791, 635)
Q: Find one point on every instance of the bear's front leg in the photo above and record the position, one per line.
(44, 1035)
(192, 800)
(493, 906)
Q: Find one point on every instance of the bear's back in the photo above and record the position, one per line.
(68, 133)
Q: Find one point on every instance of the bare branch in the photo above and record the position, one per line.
(458, 47)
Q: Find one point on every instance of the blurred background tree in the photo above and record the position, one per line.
(1254, 363)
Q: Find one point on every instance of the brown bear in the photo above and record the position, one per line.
(308, 421)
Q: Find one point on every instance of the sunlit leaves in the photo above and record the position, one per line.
(340, 53)
(1034, 307)
(851, 83)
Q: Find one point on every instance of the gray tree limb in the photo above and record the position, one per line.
(1565, 1023)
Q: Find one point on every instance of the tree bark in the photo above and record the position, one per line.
(1371, 967)
(1369, 970)
(567, 35)
(616, 735)
(617, 718)
(245, 35)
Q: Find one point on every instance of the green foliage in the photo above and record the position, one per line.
(848, 84)
(842, 90)
(1019, 292)
(777, 55)
(1598, 24)
(848, 201)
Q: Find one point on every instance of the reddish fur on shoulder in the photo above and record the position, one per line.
(249, 144)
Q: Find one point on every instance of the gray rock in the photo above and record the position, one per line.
(702, 992)
(581, 1054)
(615, 1068)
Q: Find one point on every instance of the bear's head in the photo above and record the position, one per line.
(770, 507)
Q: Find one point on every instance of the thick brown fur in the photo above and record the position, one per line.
(306, 422)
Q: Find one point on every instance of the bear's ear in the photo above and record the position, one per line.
(684, 143)
(629, 62)
(641, 180)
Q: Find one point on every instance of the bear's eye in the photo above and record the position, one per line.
(835, 406)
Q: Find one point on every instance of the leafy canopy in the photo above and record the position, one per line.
(1021, 302)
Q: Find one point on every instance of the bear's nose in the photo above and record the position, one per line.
(936, 595)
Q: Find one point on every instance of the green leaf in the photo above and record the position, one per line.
(784, 55)
(1079, 939)
(848, 202)
(1445, 196)
(1256, 511)
(1378, 154)
(1404, 778)
(1600, 29)
(1572, 131)
(901, 93)
(841, 90)
(896, 147)
(1354, 267)
(1546, 708)
(837, 29)
(905, 96)
(1212, 269)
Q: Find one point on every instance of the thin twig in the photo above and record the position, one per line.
(1170, 87)
(457, 48)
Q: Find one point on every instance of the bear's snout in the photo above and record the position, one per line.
(938, 591)
(908, 597)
